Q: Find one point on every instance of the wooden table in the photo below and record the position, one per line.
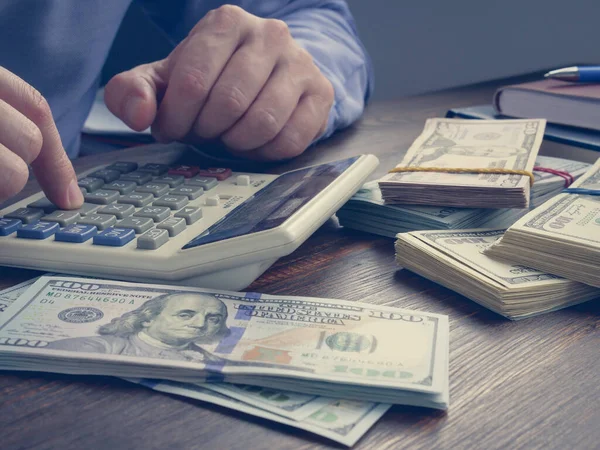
(528, 384)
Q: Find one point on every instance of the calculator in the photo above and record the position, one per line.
(198, 226)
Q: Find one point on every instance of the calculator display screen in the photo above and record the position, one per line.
(274, 204)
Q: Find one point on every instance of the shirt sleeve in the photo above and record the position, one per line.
(325, 28)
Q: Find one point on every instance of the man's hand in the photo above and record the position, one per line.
(237, 77)
(28, 135)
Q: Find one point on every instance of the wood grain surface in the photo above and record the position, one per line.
(517, 385)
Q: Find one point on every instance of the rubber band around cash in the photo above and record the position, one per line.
(581, 191)
(461, 170)
(569, 179)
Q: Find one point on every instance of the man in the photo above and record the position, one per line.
(170, 326)
(267, 77)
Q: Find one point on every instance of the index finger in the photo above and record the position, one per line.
(52, 167)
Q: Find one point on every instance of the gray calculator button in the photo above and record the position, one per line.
(107, 175)
(156, 189)
(174, 225)
(118, 210)
(90, 184)
(87, 209)
(192, 192)
(206, 183)
(25, 215)
(136, 199)
(139, 177)
(123, 166)
(63, 218)
(137, 224)
(124, 187)
(191, 214)
(101, 197)
(171, 180)
(100, 221)
(156, 213)
(172, 201)
(154, 169)
(45, 204)
(153, 239)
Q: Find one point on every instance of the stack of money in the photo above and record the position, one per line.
(562, 236)
(366, 211)
(468, 164)
(455, 259)
(314, 346)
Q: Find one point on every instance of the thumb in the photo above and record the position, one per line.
(133, 96)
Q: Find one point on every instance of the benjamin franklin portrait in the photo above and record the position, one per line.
(170, 326)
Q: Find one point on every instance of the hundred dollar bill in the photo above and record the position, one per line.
(562, 236)
(468, 144)
(74, 325)
(343, 421)
(456, 259)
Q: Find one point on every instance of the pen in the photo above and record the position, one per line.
(585, 74)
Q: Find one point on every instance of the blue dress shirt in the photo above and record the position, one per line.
(59, 47)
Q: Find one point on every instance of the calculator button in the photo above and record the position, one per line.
(153, 239)
(242, 180)
(101, 197)
(100, 221)
(124, 187)
(38, 230)
(118, 210)
(174, 225)
(171, 180)
(45, 204)
(25, 215)
(139, 177)
(90, 184)
(217, 172)
(154, 169)
(156, 213)
(186, 171)
(106, 175)
(87, 209)
(76, 233)
(156, 189)
(137, 224)
(192, 192)
(213, 200)
(172, 201)
(206, 183)
(137, 200)
(114, 237)
(9, 226)
(191, 214)
(123, 166)
(63, 218)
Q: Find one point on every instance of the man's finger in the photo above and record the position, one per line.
(52, 167)
(133, 96)
(13, 173)
(197, 66)
(19, 134)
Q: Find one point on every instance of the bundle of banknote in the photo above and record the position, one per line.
(309, 345)
(455, 259)
(366, 210)
(468, 164)
(562, 236)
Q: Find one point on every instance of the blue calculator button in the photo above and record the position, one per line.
(114, 237)
(76, 233)
(38, 230)
(9, 226)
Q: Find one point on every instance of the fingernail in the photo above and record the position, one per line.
(74, 195)
(133, 106)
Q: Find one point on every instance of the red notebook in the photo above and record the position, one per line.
(557, 101)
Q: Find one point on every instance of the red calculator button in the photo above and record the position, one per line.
(186, 171)
(215, 172)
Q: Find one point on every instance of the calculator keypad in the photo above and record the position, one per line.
(124, 202)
